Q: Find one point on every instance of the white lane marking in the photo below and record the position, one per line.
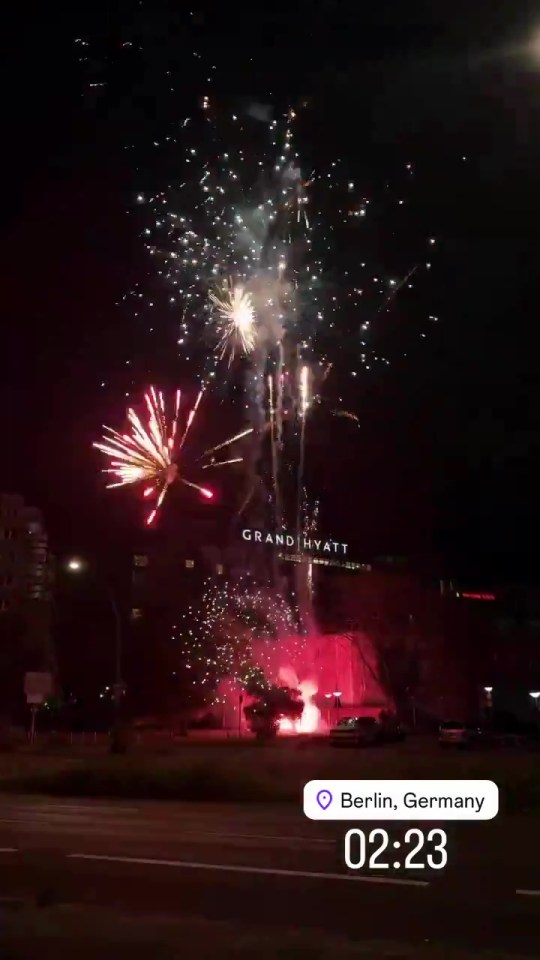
(189, 835)
(528, 893)
(65, 824)
(60, 807)
(8, 849)
(234, 868)
(262, 836)
(18, 820)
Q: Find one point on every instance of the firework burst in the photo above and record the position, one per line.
(235, 320)
(239, 630)
(150, 451)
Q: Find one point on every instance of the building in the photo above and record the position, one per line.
(171, 571)
(441, 645)
(510, 673)
(430, 647)
(25, 598)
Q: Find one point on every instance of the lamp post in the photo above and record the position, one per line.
(76, 565)
(488, 702)
(240, 702)
(337, 702)
(328, 697)
(535, 694)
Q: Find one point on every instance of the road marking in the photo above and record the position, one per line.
(234, 868)
(528, 893)
(260, 836)
(80, 807)
(35, 818)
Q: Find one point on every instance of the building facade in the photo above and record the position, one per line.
(169, 577)
(381, 628)
(26, 574)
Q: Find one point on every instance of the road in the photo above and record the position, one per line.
(270, 865)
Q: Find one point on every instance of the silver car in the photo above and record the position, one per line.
(365, 731)
(456, 733)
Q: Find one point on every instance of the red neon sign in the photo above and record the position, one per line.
(477, 596)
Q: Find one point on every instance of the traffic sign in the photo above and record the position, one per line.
(38, 687)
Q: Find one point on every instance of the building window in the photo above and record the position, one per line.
(136, 613)
(219, 568)
(190, 564)
(140, 561)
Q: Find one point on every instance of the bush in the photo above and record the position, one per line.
(270, 705)
(199, 782)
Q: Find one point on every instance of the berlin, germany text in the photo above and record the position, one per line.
(300, 542)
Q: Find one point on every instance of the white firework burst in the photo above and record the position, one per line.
(235, 320)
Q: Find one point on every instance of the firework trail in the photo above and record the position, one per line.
(396, 286)
(273, 443)
(279, 392)
(149, 453)
(304, 571)
(304, 400)
(220, 446)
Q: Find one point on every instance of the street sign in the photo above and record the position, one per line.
(38, 687)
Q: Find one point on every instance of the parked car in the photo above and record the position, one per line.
(366, 731)
(457, 733)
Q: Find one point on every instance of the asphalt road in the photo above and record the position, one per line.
(270, 865)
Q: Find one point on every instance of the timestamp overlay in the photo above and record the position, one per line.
(414, 837)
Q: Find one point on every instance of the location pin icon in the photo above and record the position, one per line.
(324, 799)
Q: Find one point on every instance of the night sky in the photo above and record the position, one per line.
(447, 459)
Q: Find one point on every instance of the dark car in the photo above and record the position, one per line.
(366, 731)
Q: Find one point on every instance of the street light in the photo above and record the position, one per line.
(535, 694)
(79, 565)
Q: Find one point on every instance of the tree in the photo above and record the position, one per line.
(270, 704)
(396, 662)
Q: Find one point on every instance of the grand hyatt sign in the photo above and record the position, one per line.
(301, 542)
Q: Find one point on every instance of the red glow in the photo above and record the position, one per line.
(322, 664)
(309, 722)
(207, 493)
(477, 596)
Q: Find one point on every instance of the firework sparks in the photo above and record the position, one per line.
(149, 452)
(236, 320)
(237, 632)
(238, 254)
